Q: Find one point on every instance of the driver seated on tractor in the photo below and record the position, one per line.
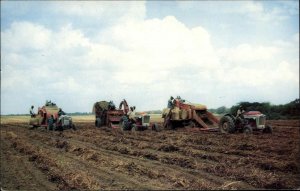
(239, 116)
(240, 111)
(131, 113)
(32, 114)
(60, 113)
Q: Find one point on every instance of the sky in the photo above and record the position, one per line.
(216, 53)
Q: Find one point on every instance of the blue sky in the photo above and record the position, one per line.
(216, 53)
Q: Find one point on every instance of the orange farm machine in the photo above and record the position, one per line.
(45, 112)
(182, 114)
(106, 113)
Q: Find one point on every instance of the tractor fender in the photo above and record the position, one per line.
(231, 116)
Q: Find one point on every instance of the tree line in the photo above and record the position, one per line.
(290, 110)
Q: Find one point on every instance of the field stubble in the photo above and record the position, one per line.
(102, 158)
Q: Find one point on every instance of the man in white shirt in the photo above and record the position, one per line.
(32, 114)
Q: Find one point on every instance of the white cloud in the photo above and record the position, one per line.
(258, 12)
(144, 61)
(138, 56)
(25, 35)
(108, 12)
(247, 53)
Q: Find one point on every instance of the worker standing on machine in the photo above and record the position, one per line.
(170, 102)
(60, 112)
(111, 105)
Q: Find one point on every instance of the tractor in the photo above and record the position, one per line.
(181, 113)
(138, 123)
(246, 122)
(44, 113)
(106, 113)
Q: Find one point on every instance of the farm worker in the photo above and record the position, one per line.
(32, 112)
(60, 112)
(131, 113)
(47, 103)
(240, 111)
(51, 122)
(111, 105)
(180, 100)
(170, 104)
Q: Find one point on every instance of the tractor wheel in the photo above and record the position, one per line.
(226, 125)
(155, 127)
(123, 126)
(268, 129)
(33, 127)
(98, 122)
(247, 129)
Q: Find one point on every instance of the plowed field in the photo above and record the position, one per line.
(92, 158)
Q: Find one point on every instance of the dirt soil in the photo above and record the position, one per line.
(101, 158)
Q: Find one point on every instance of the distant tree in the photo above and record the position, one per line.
(286, 111)
(222, 110)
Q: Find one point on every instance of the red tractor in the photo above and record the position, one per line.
(247, 122)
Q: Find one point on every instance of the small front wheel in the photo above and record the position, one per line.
(268, 129)
(134, 128)
(247, 129)
(155, 127)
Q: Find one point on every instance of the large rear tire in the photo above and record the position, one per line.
(125, 126)
(226, 125)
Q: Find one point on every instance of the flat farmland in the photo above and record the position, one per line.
(92, 158)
